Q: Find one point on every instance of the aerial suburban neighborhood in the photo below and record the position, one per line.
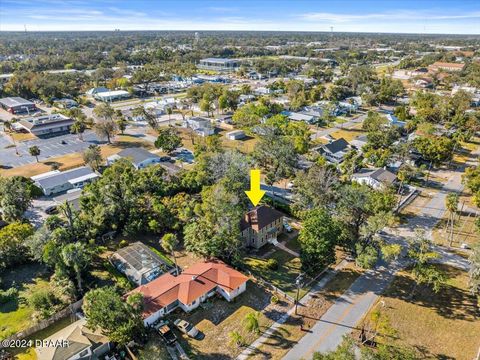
(251, 180)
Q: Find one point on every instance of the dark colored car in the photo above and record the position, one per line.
(167, 335)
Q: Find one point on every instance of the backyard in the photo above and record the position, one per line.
(289, 267)
(217, 319)
(443, 325)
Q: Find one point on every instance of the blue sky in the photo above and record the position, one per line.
(421, 16)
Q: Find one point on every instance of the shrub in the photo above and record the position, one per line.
(367, 258)
(272, 264)
(8, 295)
(122, 244)
(44, 302)
(274, 299)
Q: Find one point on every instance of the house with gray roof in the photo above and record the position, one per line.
(335, 151)
(55, 182)
(140, 158)
(375, 178)
(74, 342)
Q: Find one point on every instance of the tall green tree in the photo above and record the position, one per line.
(13, 239)
(451, 203)
(318, 238)
(474, 272)
(92, 156)
(421, 252)
(168, 140)
(15, 198)
(76, 257)
(34, 151)
(168, 242)
(118, 319)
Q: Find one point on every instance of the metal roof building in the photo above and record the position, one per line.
(139, 263)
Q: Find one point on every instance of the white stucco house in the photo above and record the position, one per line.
(189, 289)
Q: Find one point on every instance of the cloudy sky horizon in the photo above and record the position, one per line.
(429, 17)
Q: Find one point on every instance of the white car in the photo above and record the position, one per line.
(286, 226)
(186, 328)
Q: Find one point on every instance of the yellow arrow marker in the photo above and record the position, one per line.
(255, 194)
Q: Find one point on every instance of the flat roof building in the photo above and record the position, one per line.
(17, 105)
(108, 96)
(219, 64)
(139, 263)
(46, 125)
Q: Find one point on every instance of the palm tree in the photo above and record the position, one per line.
(236, 338)
(34, 151)
(76, 257)
(251, 322)
(168, 243)
(451, 203)
(9, 129)
(78, 127)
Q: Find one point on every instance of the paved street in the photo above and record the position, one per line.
(349, 309)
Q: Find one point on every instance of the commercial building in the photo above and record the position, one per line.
(437, 66)
(189, 289)
(139, 263)
(109, 96)
(219, 64)
(46, 125)
(54, 182)
(17, 105)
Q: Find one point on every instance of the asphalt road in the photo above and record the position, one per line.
(342, 317)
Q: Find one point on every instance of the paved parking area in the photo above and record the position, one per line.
(51, 147)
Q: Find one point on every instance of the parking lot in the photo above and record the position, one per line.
(51, 147)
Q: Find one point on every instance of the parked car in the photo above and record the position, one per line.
(52, 209)
(286, 226)
(186, 328)
(167, 159)
(167, 334)
(465, 246)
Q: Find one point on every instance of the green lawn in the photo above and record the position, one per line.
(17, 315)
(445, 325)
(284, 277)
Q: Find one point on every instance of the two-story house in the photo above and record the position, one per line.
(260, 226)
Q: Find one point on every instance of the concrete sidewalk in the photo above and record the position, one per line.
(272, 329)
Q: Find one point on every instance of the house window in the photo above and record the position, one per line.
(83, 353)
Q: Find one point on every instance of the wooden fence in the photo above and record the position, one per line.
(269, 285)
(70, 310)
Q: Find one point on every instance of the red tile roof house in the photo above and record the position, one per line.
(189, 289)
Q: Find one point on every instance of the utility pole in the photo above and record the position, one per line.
(298, 282)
